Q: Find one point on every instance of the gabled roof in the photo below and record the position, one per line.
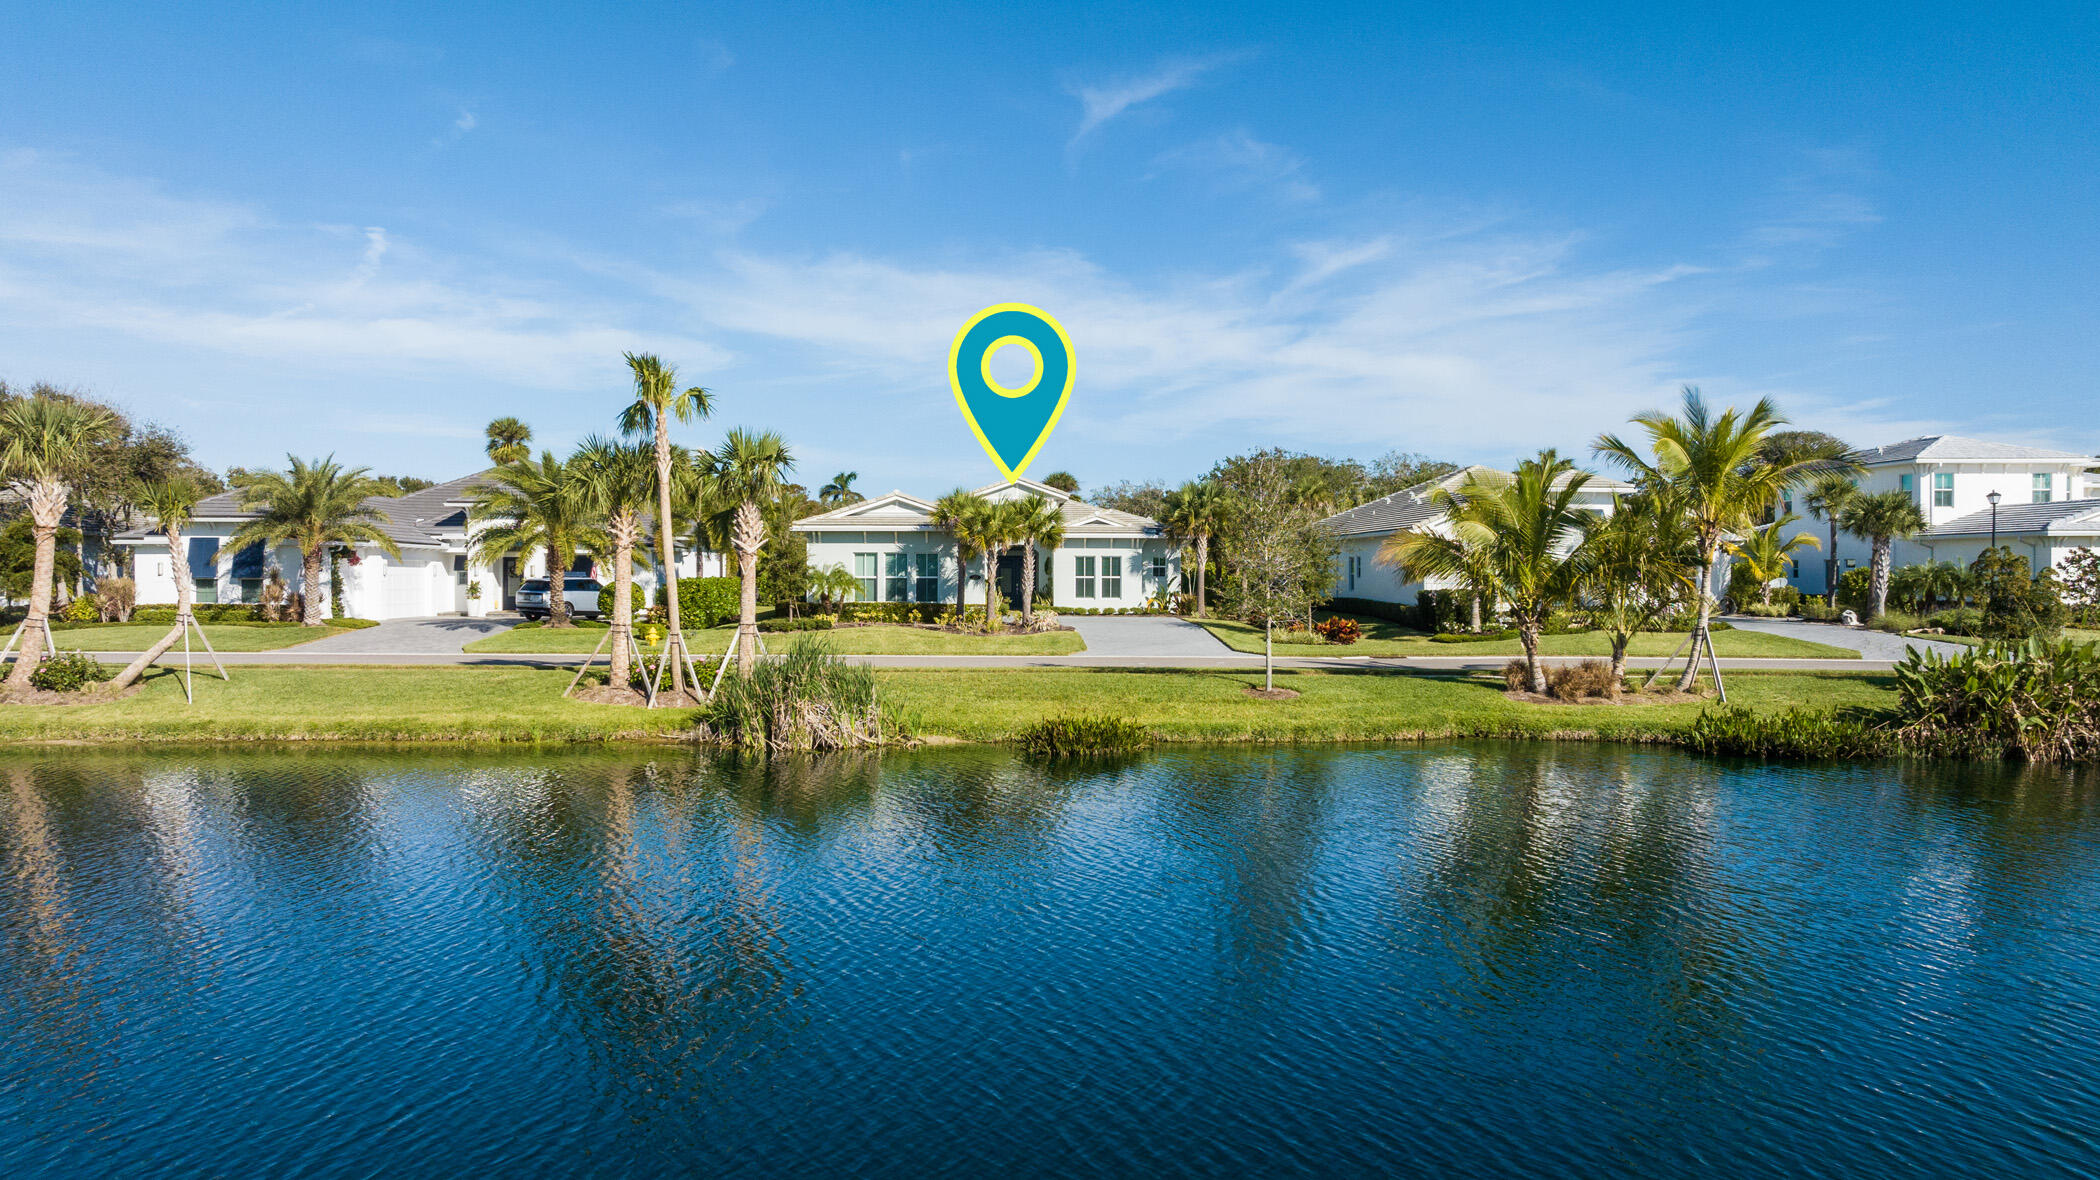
(898, 510)
(891, 510)
(2080, 518)
(1411, 507)
(416, 518)
(1953, 448)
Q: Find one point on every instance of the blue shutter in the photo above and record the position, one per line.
(248, 563)
(204, 556)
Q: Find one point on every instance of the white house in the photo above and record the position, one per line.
(1952, 479)
(431, 528)
(1109, 559)
(1363, 530)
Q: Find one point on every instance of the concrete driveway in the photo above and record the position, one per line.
(1145, 635)
(1871, 645)
(449, 634)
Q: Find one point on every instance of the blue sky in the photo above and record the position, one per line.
(1346, 229)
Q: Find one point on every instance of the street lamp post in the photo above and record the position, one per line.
(1994, 498)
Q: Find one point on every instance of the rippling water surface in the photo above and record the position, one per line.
(1451, 959)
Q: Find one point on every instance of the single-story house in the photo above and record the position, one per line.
(431, 528)
(1952, 478)
(891, 544)
(2045, 534)
(1363, 530)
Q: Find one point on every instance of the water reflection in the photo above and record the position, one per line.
(1193, 960)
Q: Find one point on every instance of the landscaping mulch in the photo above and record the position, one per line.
(92, 696)
(1271, 694)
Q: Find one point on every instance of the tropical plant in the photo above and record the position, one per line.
(18, 554)
(1521, 536)
(1193, 513)
(1713, 470)
(509, 441)
(1766, 550)
(617, 481)
(745, 471)
(1925, 585)
(1063, 481)
(809, 699)
(1642, 564)
(48, 443)
(1039, 523)
(833, 584)
(998, 528)
(315, 506)
(1827, 496)
(1881, 519)
(958, 513)
(537, 505)
(840, 490)
(2017, 603)
(172, 503)
(657, 400)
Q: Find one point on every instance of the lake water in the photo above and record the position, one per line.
(1448, 959)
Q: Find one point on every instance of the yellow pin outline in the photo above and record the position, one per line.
(1064, 395)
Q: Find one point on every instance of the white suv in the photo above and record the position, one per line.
(581, 591)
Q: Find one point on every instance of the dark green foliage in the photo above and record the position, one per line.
(1796, 733)
(1084, 734)
(18, 558)
(70, 672)
(2034, 701)
(2016, 603)
(1856, 590)
(1897, 622)
(1439, 611)
(703, 602)
(806, 623)
(1392, 612)
(1962, 620)
(808, 700)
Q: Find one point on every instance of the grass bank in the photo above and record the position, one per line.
(1382, 638)
(870, 640)
(509, 704)
(223, 636)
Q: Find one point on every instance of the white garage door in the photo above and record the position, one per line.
(407, 593)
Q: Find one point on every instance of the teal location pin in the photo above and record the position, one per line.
(1012, 423)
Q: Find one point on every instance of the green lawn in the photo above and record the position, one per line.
(872, 640)
(515, 704)
(1390, 639)
(140, 636)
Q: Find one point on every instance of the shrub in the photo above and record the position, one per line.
(1897, 622)
(1440, 611)
(809, 700)
(1856, 590)
(70, 672)
(81, 610)
(1404, 614)
(2016, 604)
(702, 602)
(806, 623)
(1574, 682)
(115, 598)
(1960, 620)
(1796, 733)
(1760, 611)
(2034, 701)
(1815, 610)
(1061, 737)
(1339, 629)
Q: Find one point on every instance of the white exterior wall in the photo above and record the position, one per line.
(155, 573)
(838, 547)
(1383, 582)
(1136, 553)
(1138, 585)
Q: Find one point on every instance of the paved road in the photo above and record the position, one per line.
(1151, 636)
(305, 655)
(447, 635)
(1872, 645)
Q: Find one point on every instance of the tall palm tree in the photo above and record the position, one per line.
(314, 505)
(617, 482)
(840, 490)
(746, 470)
(1766, 550)
(49, 441)
(657, 400)
(537, 505)
(172, 503)
(1827, 496)
(1712, 464)
(508, 441)
(1882, 519)
(1641, 561)
(957, 512)
(1522, 535)
(1003, 526)
(1040, 523)
(1194, 513)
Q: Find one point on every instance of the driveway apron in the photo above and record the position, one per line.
(1871, 645)
(439, 636)
(1144, 635)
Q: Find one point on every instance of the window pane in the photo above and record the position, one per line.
(1082, 577)
(1111, 577)
(207, 589)
(864, 571)
(1943, 491)
(2044, 485)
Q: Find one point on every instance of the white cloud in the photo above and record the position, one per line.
(1240, 161)
(1103, 101)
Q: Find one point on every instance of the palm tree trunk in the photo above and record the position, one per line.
(1881, 578)
(622, 669)
(1202, 563)
(1619, 641)
(178, 562)
(1534, 673)
(1028, 584)
(991, 588)
(1476, 613)
(557, 587)
(47, 507)
(1690, 674)
(1830, 568)
(1268, 655)
(310, 585)
(749, 537)
(962, 584)
(663, 536)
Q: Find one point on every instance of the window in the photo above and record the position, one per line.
(204, 568)
(929, 577)
(1786, 503)
(1159, 567)
(251, 589)
(1943, 490)
(1111, 577)
(1355, 568)
(2044, 487)
(1082, 577)
(896, 580)
(864, 571)
(1909, 484)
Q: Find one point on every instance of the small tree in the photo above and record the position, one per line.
(1881, 519)
(958, 512)
(1642, 563)
(1766, 551)
(1279, 561)
(2079, 573)
(171, 503)
(746, 471)
(318, 506)
(617, 482)
(541, 506)
(509, 441)
(1041, 524)
(1193, 513)
(47, 442)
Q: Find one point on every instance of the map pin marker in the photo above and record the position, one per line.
(1012, 423)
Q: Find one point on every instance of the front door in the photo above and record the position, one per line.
(510, 583)
(1010, 579)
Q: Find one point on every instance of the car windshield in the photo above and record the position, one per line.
(534, 584)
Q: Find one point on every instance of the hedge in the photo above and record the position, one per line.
(702, 602)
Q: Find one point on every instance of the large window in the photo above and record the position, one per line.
(1111, 577)
(864, 571)
(1943, 490)
(896, 577)
(1158, 568)
(2044, 487)
(1083, 577)
(929, 577)
(1356, 568)
(204, 568)
(1909, 486)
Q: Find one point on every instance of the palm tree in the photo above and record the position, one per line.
(1040, 523)
(840, 490)
(1063, 481)
(833, 583)
(657, 400)
(1641, 562)
(314, 505)
(1521, 536)
(745, 470)
(541, 506)
(1765, 552)
(171, 503)
(957, 512)
(1827, 497)
(617, 482)
(1713, 467)
(1882, 519)
(49, 442)
(1000, 527)
(508, 438)
(1194, 513)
